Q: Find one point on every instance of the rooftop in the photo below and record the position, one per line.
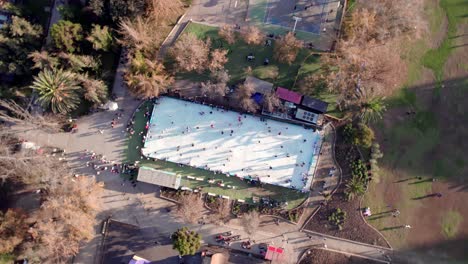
(158, 177)
(288, 95)
(314, 104)
(259, 86)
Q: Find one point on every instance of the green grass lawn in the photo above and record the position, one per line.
(243, 190)
(451, 223)
(288, 75)
(237, 63)
(435, 59)
(421, 145)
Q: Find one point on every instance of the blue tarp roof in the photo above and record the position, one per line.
(258, 98)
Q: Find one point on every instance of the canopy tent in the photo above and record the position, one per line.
(138, 260)
(288, 95)
(274, 253)
(111, 106)
(159, 177)
(258, 98)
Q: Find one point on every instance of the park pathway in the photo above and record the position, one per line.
(141, 205)
(55, 16)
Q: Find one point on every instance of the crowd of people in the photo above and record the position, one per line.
(191, 154)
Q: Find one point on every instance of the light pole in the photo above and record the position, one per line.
(296, 19)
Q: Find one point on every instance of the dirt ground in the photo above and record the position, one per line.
(319, 256)
(354, 227)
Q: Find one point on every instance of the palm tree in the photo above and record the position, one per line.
(147, 78)
(58, 90)
(373, 109)
(355, 187)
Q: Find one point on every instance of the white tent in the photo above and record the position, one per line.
(111, 106)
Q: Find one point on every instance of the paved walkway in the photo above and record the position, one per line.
(141, 206)
(214, 13)
(54, 16)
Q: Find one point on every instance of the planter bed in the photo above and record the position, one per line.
(354, 228)
(324, 256)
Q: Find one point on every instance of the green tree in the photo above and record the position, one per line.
(373, 109)
(17, 40)
(365, 135)
(355, 187)
(58, 90)
(101, 38)
(126, 8)
(186, 242)
(67, 35)
(359, 135)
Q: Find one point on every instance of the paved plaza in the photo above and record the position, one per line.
(235, 144)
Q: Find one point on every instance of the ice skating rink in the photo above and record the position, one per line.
(236, 144)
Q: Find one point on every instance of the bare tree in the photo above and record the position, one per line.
(227, 33)
(16, 114)
(248, 71)
(243, 95)
(164, 12)
(67, 214)
(13, 228)
(43, 59)
(358, 72)
(222, 212)
(252, 35)
(141, 34)
(387, 19)
(218, 57)
(271, 102)
(217, 86)
(251, 222)
(147, 78)
(190, 208)
(191, 53)
(286, 48)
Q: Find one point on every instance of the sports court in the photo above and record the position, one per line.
(311, 15)
(232, 143)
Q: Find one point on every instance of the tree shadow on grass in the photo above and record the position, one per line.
(392, 228)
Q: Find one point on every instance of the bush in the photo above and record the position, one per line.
(376, 154)
(236, 209)
(358, 135)
(186, 242)
(293, 216)
(359, 169)
(67, 35)
(337, 218)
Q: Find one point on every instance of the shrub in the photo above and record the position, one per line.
(337, 218)
(358, 135)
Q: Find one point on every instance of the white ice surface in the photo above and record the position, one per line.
(174, 125)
